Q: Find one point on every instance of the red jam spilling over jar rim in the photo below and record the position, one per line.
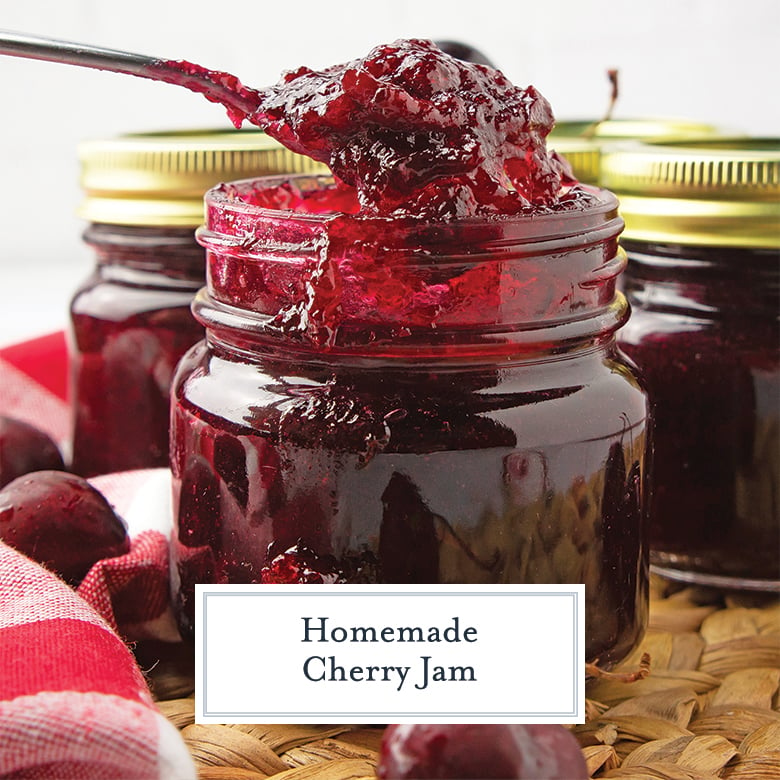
(413, 131)
(324, 279)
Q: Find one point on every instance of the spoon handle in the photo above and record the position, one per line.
(38, 47)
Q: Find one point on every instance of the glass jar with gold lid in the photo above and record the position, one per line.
(703, 279)
(130, 319)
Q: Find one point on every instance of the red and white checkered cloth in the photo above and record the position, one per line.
(73, 702)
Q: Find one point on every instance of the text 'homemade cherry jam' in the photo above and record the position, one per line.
(410, 372)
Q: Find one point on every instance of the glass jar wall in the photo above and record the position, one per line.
(403, 401)
(130, 324)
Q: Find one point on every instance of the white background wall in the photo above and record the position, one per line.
(708, 60)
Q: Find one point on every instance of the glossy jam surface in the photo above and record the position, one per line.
(412, 131)
(130, 324)
(704, 331)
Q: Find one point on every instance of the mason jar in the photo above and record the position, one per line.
(703, 279)
(384, 400)
(130, 320)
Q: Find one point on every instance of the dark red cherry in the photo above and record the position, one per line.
(25, 448)
(464, 51)
(60, 521)
(486, 751)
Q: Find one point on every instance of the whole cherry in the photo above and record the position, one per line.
(60, 521)
(25, 448)
(464, 51)
(485, 751)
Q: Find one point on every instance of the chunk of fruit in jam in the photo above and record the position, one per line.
(416, 132)
(60, 521)
(300, 564)
(487, 751)
(25, 448)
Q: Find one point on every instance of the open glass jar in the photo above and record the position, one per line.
(131, 319)
(405, 401)
(703, 279)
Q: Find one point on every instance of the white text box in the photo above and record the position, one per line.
(389, 654)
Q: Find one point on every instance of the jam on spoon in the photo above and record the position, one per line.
(413, 130)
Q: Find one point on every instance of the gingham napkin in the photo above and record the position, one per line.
(73, 703)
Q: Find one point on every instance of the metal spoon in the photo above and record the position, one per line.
(244, 101)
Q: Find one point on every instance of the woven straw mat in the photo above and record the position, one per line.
(709, 707)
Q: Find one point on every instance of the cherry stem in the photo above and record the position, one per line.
(612, 75)
(594, 671)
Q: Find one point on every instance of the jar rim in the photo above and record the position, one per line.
(548, 225)
(336, 279)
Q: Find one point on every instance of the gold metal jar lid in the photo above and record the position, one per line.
(637, 129)
(582, 154)
(582, 142)
(157, 179)
(710, 192)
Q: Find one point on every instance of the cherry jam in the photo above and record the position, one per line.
(412, 131)
(703, 280)
(704, 331)
(130, 324)
(131, 319)
(397, 400)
